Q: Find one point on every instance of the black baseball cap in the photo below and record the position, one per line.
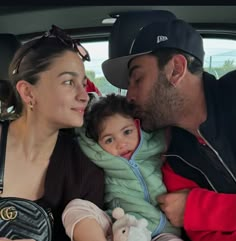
(174, 34)
(127, 26)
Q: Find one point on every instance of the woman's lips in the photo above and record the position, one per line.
(79, 110)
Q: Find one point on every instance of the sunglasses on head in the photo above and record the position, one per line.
(64, 38)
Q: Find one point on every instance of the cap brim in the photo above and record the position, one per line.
(116, 70)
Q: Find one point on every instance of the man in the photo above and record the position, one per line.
(164, 77)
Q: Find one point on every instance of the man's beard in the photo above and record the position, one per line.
(161, 107)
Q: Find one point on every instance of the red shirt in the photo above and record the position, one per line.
(204, 221)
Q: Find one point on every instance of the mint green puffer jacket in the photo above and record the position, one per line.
(134, 184)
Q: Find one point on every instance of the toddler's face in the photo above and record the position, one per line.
(119, 136)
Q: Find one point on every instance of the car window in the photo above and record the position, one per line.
(220, 58)
(98, 52)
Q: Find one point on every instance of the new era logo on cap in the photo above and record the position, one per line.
(161, 39)
(174, 34)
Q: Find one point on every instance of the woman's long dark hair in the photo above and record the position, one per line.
(28, 62)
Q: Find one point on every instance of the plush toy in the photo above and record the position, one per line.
(128, 228)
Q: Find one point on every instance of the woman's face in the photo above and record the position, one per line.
(60, 96)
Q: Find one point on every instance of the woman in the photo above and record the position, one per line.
(46, 93)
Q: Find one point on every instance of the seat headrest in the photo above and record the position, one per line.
(8, 46)
(127, 26)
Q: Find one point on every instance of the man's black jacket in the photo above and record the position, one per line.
(211, 166)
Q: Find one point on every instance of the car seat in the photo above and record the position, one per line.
(8, 46)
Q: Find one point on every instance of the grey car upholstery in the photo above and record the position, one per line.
(8, 46)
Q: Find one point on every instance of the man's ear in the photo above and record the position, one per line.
(25, 90)
(179, 68)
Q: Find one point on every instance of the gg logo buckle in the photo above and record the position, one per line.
(8, 213)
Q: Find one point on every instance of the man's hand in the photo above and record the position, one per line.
(173, 205)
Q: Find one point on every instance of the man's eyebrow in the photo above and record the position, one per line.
(131, 70)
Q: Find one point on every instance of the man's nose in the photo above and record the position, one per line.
(130, 95)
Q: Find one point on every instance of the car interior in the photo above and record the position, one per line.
(92, 24)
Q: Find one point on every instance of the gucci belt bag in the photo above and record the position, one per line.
(21, 218)
(24, 219)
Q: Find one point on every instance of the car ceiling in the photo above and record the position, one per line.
(27, 21)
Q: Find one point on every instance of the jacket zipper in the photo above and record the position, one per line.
(212, 186)
(135, 168)
(218, 156)
(138, 174)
